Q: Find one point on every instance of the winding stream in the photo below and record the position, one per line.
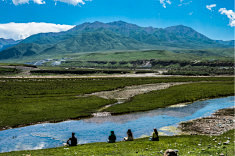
(97, 129)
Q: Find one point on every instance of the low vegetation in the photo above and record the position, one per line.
(201, 70)
(174, 95)
(80, 71)
(192, 145)
(26, 101)
(8, 71)
(222, 54)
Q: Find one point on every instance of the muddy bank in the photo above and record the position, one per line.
(220, 122)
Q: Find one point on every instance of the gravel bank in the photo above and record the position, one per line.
(220, 122)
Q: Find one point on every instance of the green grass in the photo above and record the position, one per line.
(16, 64)
(80, 86)
(174, 95)
(158, 59)
(26, 101)
(8, 71)
(193, 145)
(23, 111)
(205, 54)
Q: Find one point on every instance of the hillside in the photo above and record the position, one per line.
(114, 36)
(5, 43)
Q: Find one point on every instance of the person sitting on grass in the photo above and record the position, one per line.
(112, 137)
(129, 136)
(155, 136)
(72, 141)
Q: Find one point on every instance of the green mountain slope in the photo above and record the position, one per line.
(97, 36)
(5, 43)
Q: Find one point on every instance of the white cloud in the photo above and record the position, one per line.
(163, 2)
(184, 3)
(39, 1)
(73, 2)
(23, 30)
(230, 14)
(209, 7)
(17, 2)
(168, 1)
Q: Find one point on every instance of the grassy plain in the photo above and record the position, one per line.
(202, 54)
(193, 145)
(8, 71)
(174, 95)
(26, 101)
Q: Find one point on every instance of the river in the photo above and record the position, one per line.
(97, 129)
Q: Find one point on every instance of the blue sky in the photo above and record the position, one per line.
(214, 18)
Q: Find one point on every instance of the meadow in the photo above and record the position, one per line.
(29, 101)
(193, 145)
(174, 95)
(181, 54)
(8, 71)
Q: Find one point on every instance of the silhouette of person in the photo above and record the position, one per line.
(155, 136)
(72, 141)
(129, 136)
(112, 137)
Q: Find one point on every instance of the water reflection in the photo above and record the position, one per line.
(97, 129)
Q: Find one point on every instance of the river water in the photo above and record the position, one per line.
(97, 129)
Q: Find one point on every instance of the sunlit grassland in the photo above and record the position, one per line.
(28, 101)
(193, 145)
(174, 95)
(23, 111)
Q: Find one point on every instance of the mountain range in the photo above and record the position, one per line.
(5, 43)
(114, 36)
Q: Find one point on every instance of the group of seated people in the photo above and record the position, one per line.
(112, 137)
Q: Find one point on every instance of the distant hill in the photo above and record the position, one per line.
(119, 35)
(5, 43)
(229, 43)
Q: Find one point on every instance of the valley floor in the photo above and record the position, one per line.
(30, 101)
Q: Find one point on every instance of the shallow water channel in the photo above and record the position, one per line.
(97, 129)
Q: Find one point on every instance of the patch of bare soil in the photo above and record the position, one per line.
(126, 93)
(220, 122)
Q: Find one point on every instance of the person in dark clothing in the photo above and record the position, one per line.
(129, 136)
(72, 141)
(112, 137)
(155, 136)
